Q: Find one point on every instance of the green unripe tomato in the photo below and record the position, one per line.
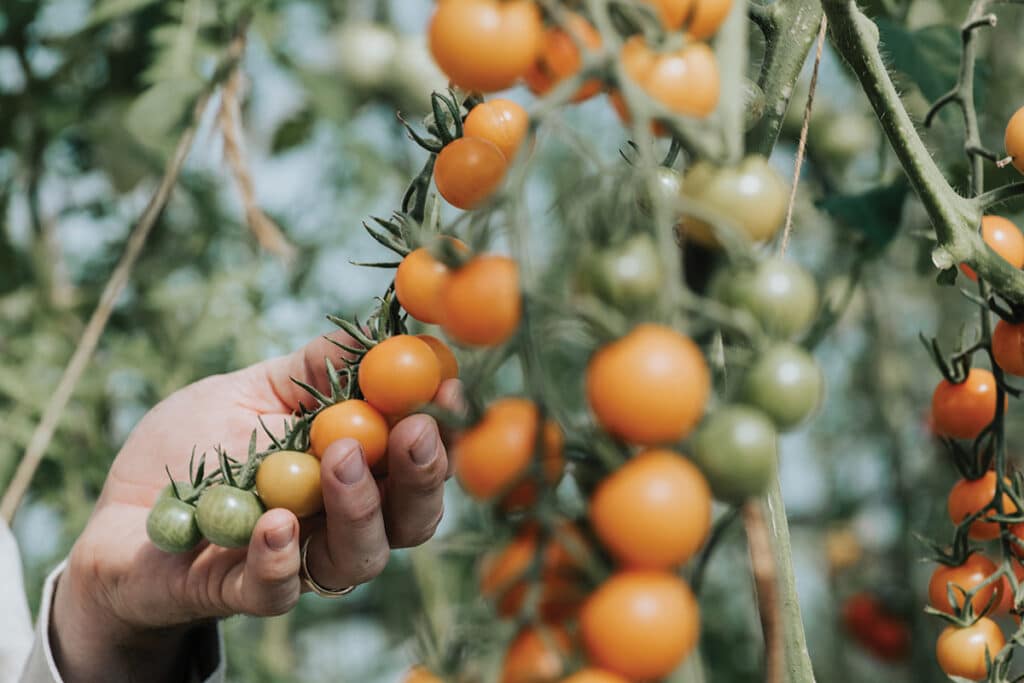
(841, 136)
(786, 383)
(753, 104)
(752, 195)
(171, 525)
(185, 490)
(227, 515)
(668, 188)
(626, 275)
(779, 293)
(735, 448)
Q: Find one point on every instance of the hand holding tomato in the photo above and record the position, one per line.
(120, 594)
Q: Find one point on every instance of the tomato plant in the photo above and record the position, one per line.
(226, 515)
(290, 480)
(963, 651)
(352, 419)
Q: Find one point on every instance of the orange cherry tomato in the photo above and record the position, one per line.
(649, 387)
(485, 45)
(1015, 139)
(495, 453)
(418, 283)
(961, 651)
(654, 512)
(560, 57)
(501, 121)
(352, 419)
(672, 12)
(969, 496)
(707, 17)
(481, 303)
(468, 171)
(420, 674)
(399, 375)
(504, 574)
(445, 357)
(640, 624)
(1008, 347)
(685, 81)
(594, 676)
(1004, 238)
(537, 655)
(975, 569)
(290, 480)
(962, 411)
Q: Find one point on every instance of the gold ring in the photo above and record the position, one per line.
(314, 586)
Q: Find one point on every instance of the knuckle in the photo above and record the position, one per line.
(363, 511)
(279, 600)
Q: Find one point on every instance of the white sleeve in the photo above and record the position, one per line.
(15, 621)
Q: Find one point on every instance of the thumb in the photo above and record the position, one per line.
(269, 582)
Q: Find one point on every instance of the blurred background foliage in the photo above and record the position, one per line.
(93, 94)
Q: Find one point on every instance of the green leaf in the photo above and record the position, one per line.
(293, 131)
(106, 10)
(930, 57)
(156, 115)
(875, 213)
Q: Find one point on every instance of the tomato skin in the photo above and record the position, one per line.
(185, 490)
(736, 449)
(420, 674)
(968, 496)
(640, 624)
(779, 293)
(1004, 238)
(290, 480)
(537, 655)
(227, 515)
(1015, 139)
(352, 419)
(481, 302)
(672, 12)
(560, 58)
(492, 455)
(418, 282)
(785, 383)
(975, 569)
(1008, 347)
(707, 17)
(171, 526)
(650, 387)
(399, 375)
(500, 121)
(685, 81)
(594, 676)
(446, 360)
(468, 171)
(485, 45)
(962, 411)
(752, 195)
(884, 635)
(654, 512)
(626, 275)
(961, 651)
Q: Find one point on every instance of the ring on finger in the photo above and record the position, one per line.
(313, 584)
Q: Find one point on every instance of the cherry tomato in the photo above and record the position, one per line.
(1008, 347)
(654, 512)
(640, 624)
(171, 526)
(735, 448)
(627, 275)
(399, 375)
(420, 674)
(469, 170)
(485, 45)
(594, 676)
(779, 293)
(445, 357)
(707, 17)
(975, 569)
(560, 58)
(290, 480)
(185, 490)
(752, 195)
(786, 384)
(684, 81)
(504, 575)
(418, 282)
(352, 419)
(962, 411)
(969, 496)
(366, 52)
(537, 655)
(500, 121)
(227, 515)
(649, 387)
(1015, 139)
(495, 453)
(481, 303)
(672, 12)
(961, 651)
(1004, 238)
(884, 635)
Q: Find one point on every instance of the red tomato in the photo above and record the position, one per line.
(1008, 347)
(975, 569)
(1004, 238)
(969, 496)
(961, 651)
(1015, 139)
(399, 375)
(962, 411)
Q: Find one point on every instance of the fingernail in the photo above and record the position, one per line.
(281, 537)
(424, 450)
(351, 469)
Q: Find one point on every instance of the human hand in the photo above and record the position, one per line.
(122, 604)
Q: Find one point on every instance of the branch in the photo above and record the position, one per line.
(954, 217)
(998, 196)
(766, 583)
(54, 410)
